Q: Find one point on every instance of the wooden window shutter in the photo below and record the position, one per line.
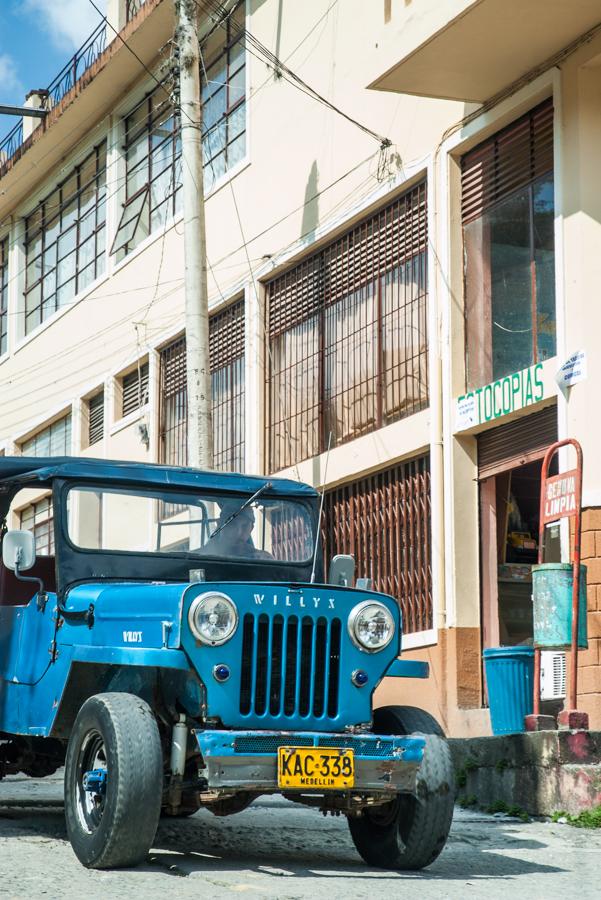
(135, 389)
(96, 418)
(506, 162)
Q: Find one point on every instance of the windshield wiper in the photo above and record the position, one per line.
(237, 512)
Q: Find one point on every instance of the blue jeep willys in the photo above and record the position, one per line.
(182, 649)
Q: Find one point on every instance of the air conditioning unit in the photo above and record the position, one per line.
(552, 675)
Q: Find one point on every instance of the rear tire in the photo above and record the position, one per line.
(411, 831)
(117, 736)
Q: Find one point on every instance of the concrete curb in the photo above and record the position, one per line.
(540, 772)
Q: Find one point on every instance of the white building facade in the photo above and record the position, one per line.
(397, 269)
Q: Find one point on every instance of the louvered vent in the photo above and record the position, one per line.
(96, 418)
(135, 389)
(552, 675)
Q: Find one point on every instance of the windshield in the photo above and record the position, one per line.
(140, 521)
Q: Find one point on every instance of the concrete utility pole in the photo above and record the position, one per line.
(198, 369)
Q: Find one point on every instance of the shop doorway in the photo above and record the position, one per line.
(510, 463)
(516, 511)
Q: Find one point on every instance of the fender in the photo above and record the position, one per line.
(173, 683)
(408, 668)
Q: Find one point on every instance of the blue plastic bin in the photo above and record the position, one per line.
(509, 677)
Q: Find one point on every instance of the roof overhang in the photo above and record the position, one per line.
(469, 50)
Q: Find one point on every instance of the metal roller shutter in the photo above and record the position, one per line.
(516, 443)
(385, 521)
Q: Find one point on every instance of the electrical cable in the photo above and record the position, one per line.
(251, 93)
(99, 124)
(161, 84)
(241, 247)
(282, 70)
(131, 50)
(34, 369)
(245, 245)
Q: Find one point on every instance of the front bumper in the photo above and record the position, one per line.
(247, 760)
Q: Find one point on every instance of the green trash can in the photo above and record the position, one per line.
(552, 606)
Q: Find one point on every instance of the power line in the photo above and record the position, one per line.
(126, 44)
(74, 372)
(109, 146)
(281, 69)
(82, 344)
(160, 84)
(245, 244)
(218, 263)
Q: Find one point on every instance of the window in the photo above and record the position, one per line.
(38, 518)
(347, 335)
(153, 171)
(55, 440)
(223, 81)
(96, 418)
(135, 390)
(226, 338)
(508, 221)
(174, 404)
(384, 520)
(65, 240)
(153, 142)
(3, 296)
(270, 529)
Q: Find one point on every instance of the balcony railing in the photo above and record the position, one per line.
(133, 7)
(11, 143)
(79, 63)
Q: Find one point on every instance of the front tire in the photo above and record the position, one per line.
(411, 831)
(115, 747)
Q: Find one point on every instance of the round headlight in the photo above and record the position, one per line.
(371, 626)
(213, 618)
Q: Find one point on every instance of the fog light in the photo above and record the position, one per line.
(359, 677)
(221, 672)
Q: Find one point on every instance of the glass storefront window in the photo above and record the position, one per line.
(510, 284)
(507, 212)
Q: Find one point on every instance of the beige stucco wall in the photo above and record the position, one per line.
(581, 232)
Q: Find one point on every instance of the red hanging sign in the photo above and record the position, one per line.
(561, 496)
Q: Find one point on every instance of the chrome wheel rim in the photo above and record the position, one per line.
(90, 803)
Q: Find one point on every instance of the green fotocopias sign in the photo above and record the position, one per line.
(500, 397)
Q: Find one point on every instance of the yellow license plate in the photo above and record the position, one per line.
(316, 767)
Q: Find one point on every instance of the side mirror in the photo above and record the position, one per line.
(18, 550)
(342, 570)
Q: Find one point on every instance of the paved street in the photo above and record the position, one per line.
(275, 849)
